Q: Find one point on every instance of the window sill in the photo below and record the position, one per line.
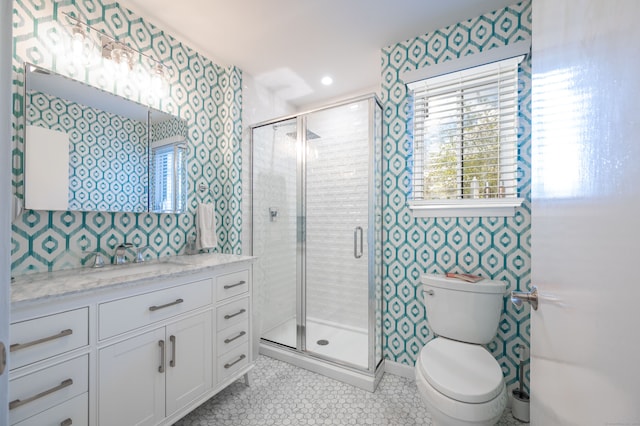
(499, 207)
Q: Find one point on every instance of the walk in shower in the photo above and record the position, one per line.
(316, 233)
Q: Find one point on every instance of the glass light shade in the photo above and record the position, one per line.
(159, 85)
(123, 60)
(82, 50)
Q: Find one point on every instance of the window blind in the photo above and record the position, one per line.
(168, 174)
(465, 133)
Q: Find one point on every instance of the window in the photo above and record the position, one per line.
(465, 139)
(168, 178)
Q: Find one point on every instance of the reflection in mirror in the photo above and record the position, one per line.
(89, 150)
(168, 171)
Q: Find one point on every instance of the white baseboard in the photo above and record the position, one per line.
(397, 369)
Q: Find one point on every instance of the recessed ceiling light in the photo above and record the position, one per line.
(326, 80)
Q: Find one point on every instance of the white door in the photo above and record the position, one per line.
(131, 382)
(5, 196)
(189, 361)
(585, 367)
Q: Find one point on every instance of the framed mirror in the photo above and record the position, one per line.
(90, 150)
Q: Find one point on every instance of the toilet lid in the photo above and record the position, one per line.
(461, 371)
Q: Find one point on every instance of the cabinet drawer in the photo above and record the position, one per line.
(233, 361)
(74, 412)
(232, 337)
(40, 338)
(127, 314)
(232, 284)
(232, 313)
(44, 389)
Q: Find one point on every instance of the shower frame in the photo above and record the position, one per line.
(365, 378)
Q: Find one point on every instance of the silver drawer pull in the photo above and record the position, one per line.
(20, 402)
(67, 422)
(231, 364)
(172, 339)
(228, 286)
(18, 346)
(241, 311)
(161, 344)
(155, 308)
(242, 333)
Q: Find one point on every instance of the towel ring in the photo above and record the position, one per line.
(202, 188)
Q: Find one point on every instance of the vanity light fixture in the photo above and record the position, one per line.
(122, 55)
(119, 53)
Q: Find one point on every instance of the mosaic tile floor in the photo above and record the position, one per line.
(282, 394)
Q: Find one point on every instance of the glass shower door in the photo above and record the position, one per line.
(275, 234)
(336, 209)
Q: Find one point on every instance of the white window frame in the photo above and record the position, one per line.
(170, 182)
(456, 69)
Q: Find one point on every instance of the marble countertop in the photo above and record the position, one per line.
(47, 285)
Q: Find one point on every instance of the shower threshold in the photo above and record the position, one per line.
(361, 379)
(332, 350)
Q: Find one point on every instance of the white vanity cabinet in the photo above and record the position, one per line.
(144, 352)
(148, 377)
(43, 377)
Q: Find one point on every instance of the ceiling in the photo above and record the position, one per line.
(289, 45)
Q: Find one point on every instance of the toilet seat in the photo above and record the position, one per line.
(461, 371)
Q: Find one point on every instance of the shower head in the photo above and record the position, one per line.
(310, 135)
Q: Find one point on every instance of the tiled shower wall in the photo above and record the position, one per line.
(495, 247)
(337, 197)
(204, 94)
(275, 242)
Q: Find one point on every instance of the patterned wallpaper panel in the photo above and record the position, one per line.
(166, 129)
(107, 153)
(494, 247)
(208, 97)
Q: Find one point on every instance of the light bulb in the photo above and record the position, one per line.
(77, 43)
(122, 59)
(158, 80)
(80, 45)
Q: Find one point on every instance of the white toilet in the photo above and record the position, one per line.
(459, 380)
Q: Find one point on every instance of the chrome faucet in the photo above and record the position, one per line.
(139, 256)
(120, 258)
(98, 261)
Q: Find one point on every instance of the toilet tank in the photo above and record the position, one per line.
(459, 310)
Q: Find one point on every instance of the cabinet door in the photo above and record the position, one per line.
(131, 384)
(189, 360)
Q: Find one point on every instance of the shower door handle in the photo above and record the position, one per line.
(357, 253)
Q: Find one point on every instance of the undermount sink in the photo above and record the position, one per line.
(116, 271)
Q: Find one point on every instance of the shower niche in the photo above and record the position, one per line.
(318, 274)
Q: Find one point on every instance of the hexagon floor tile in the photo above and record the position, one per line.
(282, 394)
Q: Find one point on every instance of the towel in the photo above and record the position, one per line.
(16, 207)
(206, 226)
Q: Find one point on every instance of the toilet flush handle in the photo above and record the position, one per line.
(518, 297)
(427, 292)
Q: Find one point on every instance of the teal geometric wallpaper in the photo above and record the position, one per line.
(207, 96)
(494, 247)
(108, 168)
